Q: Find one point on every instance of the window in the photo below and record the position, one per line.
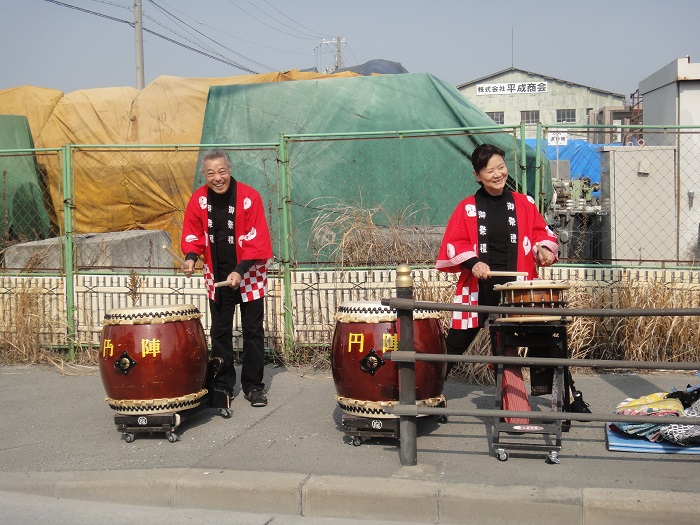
(530, 117)
(566, 115)
(496, 116)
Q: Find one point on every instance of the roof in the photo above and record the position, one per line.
(515, 69)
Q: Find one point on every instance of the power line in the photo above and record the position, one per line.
(268, 25)
(132, 24)
(314, 36)
(167, 13)
(318, 35)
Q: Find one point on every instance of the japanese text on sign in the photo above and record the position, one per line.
(511, 88)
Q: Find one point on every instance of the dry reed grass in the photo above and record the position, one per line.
(357, 236)
(24, 326)
(443, 292)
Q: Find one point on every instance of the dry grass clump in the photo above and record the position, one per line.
(443, 292)
(306, 360)
(588, 337)
(23, 330)
(659, 338)
(356, 236)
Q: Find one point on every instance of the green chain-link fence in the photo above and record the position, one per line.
(343, 212)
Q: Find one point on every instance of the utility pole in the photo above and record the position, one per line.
(338, 53)
(138, 27)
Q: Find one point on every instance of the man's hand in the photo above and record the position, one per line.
(234, 280)
(188, 268)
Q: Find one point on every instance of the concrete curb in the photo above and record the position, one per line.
(360, 497)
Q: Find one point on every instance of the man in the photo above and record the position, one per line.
(225, 223)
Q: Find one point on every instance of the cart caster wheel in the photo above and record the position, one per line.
(356, 441)
(553, 458)
(225, 413)
(502, 455)
(172, 437)
(129, 438)
(442, 419)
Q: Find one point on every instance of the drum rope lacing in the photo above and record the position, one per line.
(376, 408)
(376, 314)
(147, 317)
(153, 406)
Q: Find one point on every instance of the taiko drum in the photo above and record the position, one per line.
(538, 293)
(153, 359)
(365, 382)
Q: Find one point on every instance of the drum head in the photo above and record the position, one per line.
(374, 311)
(535, 284)
(146, 314)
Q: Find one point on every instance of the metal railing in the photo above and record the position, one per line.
(406, 357)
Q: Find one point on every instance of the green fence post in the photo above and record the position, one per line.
(285, 218)
(523, 158)
(68, 246)
(539, 174)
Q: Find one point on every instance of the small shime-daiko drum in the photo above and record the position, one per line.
(365, 382)
(153, 359)
(538, 293)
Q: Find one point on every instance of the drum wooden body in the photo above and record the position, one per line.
(367, 330)
(538, 293)
(153, 359)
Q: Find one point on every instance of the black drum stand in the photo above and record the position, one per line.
(542, 339)
(168, 422)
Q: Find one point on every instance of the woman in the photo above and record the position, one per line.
(495, 229)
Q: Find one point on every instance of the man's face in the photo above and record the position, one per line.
(217, 174)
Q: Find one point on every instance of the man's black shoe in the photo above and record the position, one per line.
(256, 398)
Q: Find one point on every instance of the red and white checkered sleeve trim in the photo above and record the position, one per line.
(254, 283)
(464, 320)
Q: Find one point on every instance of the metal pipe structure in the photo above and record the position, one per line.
(521, 311)
(406, 357)
(408, 425)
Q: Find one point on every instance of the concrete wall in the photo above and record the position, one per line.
(121, 251)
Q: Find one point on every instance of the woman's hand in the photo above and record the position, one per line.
(543, 256)
(481, 270)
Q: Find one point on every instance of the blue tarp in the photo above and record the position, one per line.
(583, 157)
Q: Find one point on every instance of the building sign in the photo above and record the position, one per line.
(511, 88)
(555, 138)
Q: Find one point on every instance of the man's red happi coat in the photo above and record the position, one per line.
(252, 238)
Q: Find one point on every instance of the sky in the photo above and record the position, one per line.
(598, 43)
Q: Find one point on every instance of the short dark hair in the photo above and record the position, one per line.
(215, 154)
(483, 153)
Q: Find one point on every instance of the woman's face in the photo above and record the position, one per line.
(494, 175)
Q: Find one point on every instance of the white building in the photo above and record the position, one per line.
(672, 98)
(513, 96)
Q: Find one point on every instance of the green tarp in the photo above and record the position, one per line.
(411, 180)
(23, 216)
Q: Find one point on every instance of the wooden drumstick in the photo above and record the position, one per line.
(222, 283)
(174, 255)
(506, 274)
